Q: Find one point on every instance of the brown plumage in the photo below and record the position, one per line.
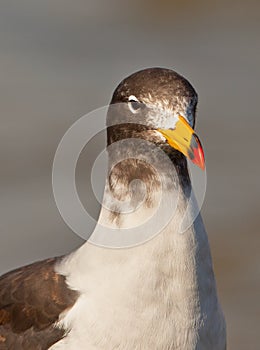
(31, 300)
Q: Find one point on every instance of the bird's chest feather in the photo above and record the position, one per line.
(146, 301)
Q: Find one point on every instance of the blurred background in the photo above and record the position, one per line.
(60, 59)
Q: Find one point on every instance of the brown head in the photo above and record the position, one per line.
(157, 105)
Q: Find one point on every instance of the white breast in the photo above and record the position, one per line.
(160, 295)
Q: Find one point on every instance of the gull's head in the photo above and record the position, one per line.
(158, 105)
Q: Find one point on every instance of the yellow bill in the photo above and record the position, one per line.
(184, 139)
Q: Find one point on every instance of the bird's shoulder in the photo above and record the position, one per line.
(31, 300)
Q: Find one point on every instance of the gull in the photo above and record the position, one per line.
(159, 293)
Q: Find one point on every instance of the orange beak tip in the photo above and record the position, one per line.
(198, 157)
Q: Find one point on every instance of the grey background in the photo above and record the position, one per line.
(61, 59)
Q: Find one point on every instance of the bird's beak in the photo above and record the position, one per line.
(184, 139)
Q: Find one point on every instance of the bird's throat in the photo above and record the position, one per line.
(137, 188)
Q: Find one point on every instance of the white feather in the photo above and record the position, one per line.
(159, 295)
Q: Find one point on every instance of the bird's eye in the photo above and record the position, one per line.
(134, 104)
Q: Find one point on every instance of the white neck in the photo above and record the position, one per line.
(160, 294)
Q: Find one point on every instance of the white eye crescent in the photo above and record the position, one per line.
(134, 104)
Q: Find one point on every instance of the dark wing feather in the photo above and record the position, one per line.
(31, 300)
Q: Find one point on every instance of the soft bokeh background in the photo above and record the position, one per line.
(61, 59)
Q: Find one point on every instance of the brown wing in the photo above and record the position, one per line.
(31, 300)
